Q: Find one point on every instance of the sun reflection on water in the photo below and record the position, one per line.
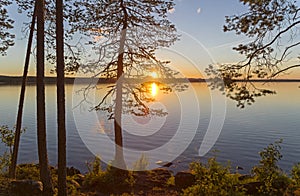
(154, 89)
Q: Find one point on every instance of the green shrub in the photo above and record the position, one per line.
(296, 174)
(7, 137)
(4, 163)
(273, 180)
(108, 181)
(28, 171)
(213, 179)
(171, 181)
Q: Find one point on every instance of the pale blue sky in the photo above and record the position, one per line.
(199, 21)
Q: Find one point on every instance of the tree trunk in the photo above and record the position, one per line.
(41, 114)
(61, 127)
(119, 157)
(14, 158)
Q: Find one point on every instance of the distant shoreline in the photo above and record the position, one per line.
(16, 80)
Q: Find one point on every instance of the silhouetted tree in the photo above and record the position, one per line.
(14, 158)
(53, 25)
(61, 122)
(126, 34)
(273, 26)
(62, 145)
(40, 97)
(6, 38)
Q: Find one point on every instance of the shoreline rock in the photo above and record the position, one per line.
(26, 188)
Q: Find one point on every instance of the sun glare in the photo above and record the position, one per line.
(154, 75)
(153, 89)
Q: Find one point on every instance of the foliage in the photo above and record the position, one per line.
(32, 172)
(7, 137)
(28, 171)
(171, 181)
(269, 173)
(242, 91)
(108, 181)
(125, 35)
(296, 174)
(272, 26)
(213, 179)
(4, 163)
(95, 166)
(6, 38)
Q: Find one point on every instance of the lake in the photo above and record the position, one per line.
(192, 114)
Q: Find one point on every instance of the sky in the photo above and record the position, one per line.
(202, 42)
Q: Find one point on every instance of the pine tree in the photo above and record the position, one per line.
(40, 97)
(127, 32)
(61, 122)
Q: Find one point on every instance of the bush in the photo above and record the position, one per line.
(213, 179)
(109, 181)
(273, 180)
(28, 171)
(7, 137)
(4, 163)
(296, 174)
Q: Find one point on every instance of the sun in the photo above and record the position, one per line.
(154, 74)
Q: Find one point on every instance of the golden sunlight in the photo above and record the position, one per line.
(153, 89)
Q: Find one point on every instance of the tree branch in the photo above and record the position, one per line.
(270, 43)
(283, 70)
(286, 49)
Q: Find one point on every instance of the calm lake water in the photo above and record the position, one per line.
(245, 131)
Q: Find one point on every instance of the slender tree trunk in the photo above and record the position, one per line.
(119, 157)
(14, 158)
(61, 127)
(41, 114)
